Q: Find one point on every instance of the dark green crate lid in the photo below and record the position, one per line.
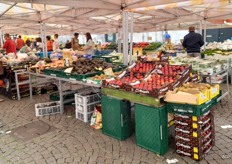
(151, 128)
(192, 110)
(116, 118)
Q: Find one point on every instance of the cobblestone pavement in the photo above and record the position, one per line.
(76, 142)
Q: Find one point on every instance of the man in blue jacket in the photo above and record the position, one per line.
(193, 42)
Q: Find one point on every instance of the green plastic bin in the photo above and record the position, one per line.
(151, 128)
(116, 118)
(192, 110)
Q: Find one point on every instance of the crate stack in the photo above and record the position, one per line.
(85, 103)
(194, 135)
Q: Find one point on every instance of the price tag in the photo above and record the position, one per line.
(72, 79)
(108, 72)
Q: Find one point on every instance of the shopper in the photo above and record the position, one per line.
(68, 44)
(193, 43)
(56, 43)
(39, 44)
(49, 43)
(9, 44)
(75, 42)
(167, 37)
(26, 48)
(19, 42)
(89, 47)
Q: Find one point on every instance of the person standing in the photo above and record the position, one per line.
(193, 43)
(9, 44)
(68, 44)
(19, 42)
(167, 36)
(56, 43)
(39, 44)
(26, 48)
(89, 47)
(49, 43)
(75, 42)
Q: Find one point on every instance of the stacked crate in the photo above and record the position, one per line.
(85, 103)
(194, 135)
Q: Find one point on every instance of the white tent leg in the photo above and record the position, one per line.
(120, 40)
(200, 29)
(204, 34)
(45, 42)
(131, 36)
(125, 37)
(1, 39)
(42, 37)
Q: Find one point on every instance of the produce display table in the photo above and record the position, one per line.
(60, 81)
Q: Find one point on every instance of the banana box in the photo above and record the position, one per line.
(214, 91)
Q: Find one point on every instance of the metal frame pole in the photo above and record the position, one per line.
(1, 39)
(119, 39)
(42, 37)
(125, 37)
(131, 36)
(45, 42)
(204, 34)
(61, 97)
(200, 29)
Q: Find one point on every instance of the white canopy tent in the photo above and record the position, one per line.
(106, 16)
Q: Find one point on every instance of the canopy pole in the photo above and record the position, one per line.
(200, 29)
(43, 38)
(1, 39)
(45, 42)
(119, 39)
(131, 36)
(204, 34)
(125, 37)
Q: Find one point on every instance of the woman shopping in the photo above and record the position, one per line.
(89, 47)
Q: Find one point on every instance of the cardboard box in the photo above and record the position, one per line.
(191, 97)
(214, 91)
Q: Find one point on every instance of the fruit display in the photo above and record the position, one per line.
(152, 46)
(224, 46)
(85, 66)
(193, 93)
(207, 66)
(149, 78)
(141, 44)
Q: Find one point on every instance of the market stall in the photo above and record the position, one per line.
(156, 86)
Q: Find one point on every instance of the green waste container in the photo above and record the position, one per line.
(116, 118)
(151, 128)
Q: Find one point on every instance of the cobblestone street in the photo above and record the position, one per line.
(73, 141)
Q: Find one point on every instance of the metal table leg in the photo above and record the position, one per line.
(30, 85)
(61, 98)
(17, 85)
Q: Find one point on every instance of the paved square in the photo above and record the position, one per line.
(73, 141)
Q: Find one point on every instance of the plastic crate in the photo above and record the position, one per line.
(85, 103)
(116, 118)
(151, 128)
(86, 109)
(83, 117)
(87, 97)
(47, 108)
